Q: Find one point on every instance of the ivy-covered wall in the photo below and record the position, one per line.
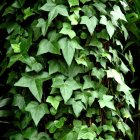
(63, 70)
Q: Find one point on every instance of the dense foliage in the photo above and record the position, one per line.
(63, 67)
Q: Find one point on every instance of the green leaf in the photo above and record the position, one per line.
(19, 101)
(106, 101)
(88, 83)
(29, 133)
(67, 49)
(84, 1)
(48, 6)
(125, 32)
(67, 88)
(85, 134)
(4, 113)
(117, 13)
(99, 73)
(66, 30)
(52, 126)
(109, 127)
(90, 23)
(4, 102)
(103, 20)
(16, 47)
(53, 66)
(73, 3)
(101, 7)
(83, 96)
(112, 73)
(34, 83)
(27, 13)
(110, 28)
(54, 10)
(31, 62)
(43, 25)
(121, 127)
(77, 107)
(54, 101)
(37, 111)
(46, 46)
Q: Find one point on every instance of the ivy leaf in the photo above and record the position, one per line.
(84, 1)
(110, 28)
(117, 13)
(90, 23)
(43, 25)
(112, 73)
(101, 7)
(19, 101)
(34, 83)
(37, 111)
(77, 107)
(54, 10)
(53, 66)
(27, 13)
(109, 127)
(66, 30)
(54, 101)
(73, 3)
(121, 127)
(32, 64)
(67, 88)
(52, 126)
(128, 97)
(46, 46)
(4, 102)
(88, 83)
(103, 20)
(98, 73)
(16, 47)
(125, 32)
(30, 132)
(67, 50)
(106, 101)
(83, 96)
(85, 133)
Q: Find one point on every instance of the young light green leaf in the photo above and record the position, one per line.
(125, 32)
(90, 23)
(112, 73)
(27, 13)
(110, 28)
(66, 30)
(117, 13)
(77, 107)
(103, 20)
(106, 101)
(73, 3)
(16, 47)
(43, 25)
(84, 1)
(54, 101)
(37, 111)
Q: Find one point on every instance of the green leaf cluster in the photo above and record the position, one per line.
(64, 64)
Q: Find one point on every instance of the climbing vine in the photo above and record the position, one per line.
(64, 64)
